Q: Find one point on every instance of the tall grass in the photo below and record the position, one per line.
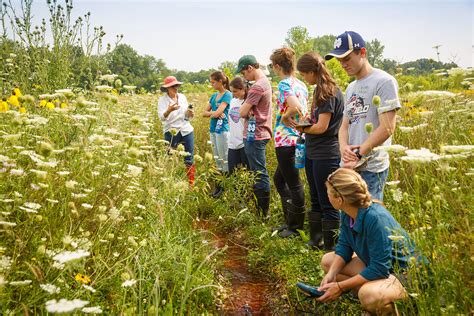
(103, 182)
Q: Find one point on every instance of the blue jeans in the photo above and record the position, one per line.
(375, 182)
(255, 152)
(317, 172)
(237, 158)
(187, 141)
(220, 149)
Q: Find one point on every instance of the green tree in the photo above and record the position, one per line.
(133, 69)
(389, 65)
(425, 66)
(324, 44)
(375, 52)
(338, 73)
(229, 68)
(298, 39)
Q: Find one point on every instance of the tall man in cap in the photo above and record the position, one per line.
(369, 113)
(258, 106)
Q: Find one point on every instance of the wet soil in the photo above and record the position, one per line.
(248, 293)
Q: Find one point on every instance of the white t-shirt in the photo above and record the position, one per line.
(175, 119)
(360, 111)
(236, 125)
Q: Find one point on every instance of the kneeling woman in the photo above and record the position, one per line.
(379, 242)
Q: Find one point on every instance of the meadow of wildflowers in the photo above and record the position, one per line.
(96, 215)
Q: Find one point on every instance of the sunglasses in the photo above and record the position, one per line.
(270, 66)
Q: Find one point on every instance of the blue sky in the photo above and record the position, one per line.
(193, 35)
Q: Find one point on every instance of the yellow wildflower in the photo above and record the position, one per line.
(13, 100)
(43, 103)
(4, 106)
(50, 105)
(17, 92)
(22, 110)
(63, 105)
(82, 278)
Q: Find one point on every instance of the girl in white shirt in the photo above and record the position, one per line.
(174, 112)
(236, 154)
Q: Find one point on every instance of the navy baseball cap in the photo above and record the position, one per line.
(345, 44)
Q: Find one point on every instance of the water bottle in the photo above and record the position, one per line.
(300, 153)
(219, 126)
(251, 126)
(186, 117)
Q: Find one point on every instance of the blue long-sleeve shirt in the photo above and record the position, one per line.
(369, 239)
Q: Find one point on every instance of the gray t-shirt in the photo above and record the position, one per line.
(360, 111)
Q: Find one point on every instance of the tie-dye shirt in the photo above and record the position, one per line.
(291, 86)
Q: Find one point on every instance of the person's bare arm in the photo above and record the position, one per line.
(385, 129)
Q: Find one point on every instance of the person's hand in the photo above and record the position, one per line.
(288, 121)
(333, 291)
(348, 154)
(328, 278)
(304, 118)
(303, 129)
(349, 164)
(189, 113)
(172, 107)
(222, 116)
(300, 128)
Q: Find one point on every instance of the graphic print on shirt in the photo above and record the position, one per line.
(234, 114)
(357, 108)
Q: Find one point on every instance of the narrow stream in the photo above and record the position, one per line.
(249, 293)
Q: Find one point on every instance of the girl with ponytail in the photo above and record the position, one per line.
(292, 99)
(373, 251)
(217, 110)
(322, 147)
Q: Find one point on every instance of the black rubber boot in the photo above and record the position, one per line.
(219, 189)
(285, 206)
(330, 231)
(263, 202)
(315, 230)
(295, 221)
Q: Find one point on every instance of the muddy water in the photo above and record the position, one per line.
(248, 293)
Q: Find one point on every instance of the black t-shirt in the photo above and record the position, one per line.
(326, 145)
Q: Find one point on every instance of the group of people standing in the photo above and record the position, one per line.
(339, 131)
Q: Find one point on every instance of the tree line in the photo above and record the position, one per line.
(77, 57)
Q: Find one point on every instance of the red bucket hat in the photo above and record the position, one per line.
(170, 81)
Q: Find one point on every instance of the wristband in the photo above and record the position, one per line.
(339, 287)
(357, 153)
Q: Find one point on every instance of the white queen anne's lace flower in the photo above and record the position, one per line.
(67, 256)
(420, 155)
(129, 283)
(10, 224)
(20, 283)
(50, 288)
(89, 288)
(457, 149)
(134, 171)
(396, 237)
(391, 148)
(64, 306)
(92, 310)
